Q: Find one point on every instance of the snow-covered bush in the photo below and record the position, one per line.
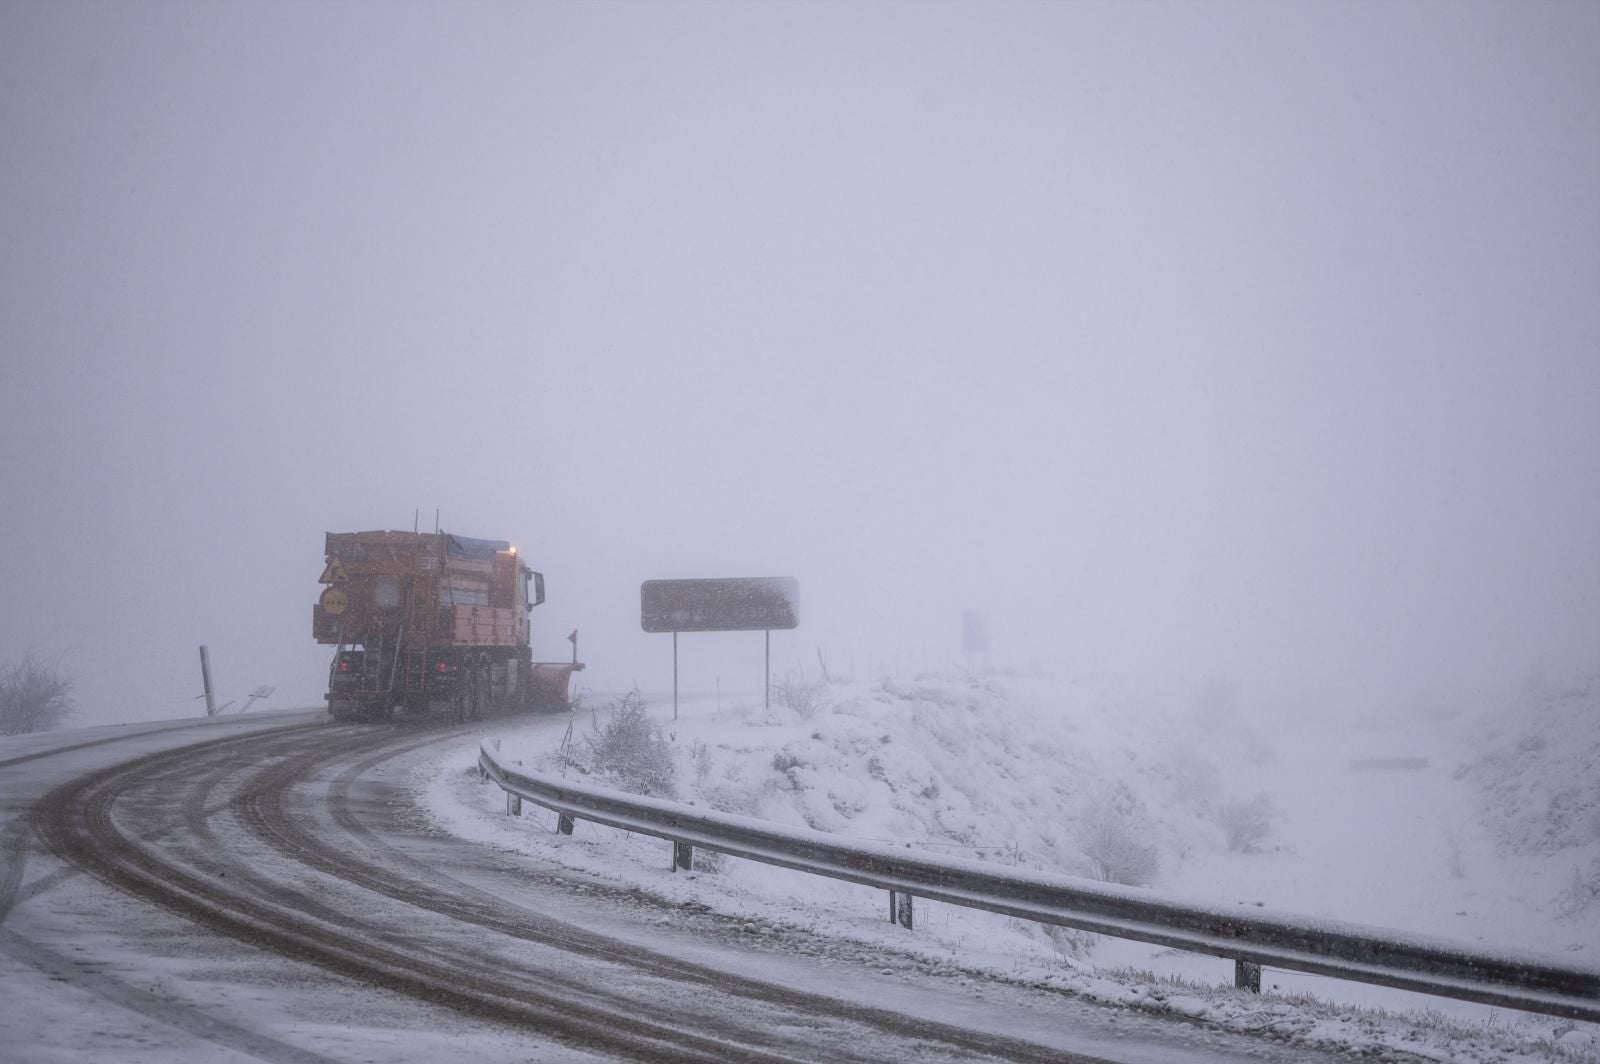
(1110, 833)
(1538, 781)
(787, 760)
(736, 796)
(33, 697)
(631, 751)
(1247, 822)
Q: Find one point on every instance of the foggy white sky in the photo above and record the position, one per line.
(1185, 339)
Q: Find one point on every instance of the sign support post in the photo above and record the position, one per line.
(766, 676)
(674, 675)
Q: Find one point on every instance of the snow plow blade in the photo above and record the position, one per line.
(548, 693)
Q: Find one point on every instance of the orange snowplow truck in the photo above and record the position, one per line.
(432, 623)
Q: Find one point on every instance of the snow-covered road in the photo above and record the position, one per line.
(272, 887)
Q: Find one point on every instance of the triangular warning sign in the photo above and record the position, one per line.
(334, 573)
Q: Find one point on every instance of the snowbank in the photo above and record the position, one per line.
(1375, 826)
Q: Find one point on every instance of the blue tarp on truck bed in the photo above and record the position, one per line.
(484, 549)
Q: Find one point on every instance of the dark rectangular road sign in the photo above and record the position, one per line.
(749, 604)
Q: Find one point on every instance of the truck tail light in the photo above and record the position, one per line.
(344, 666)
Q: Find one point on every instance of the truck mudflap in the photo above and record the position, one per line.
(549, 690)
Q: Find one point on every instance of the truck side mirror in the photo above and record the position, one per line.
(538, 590)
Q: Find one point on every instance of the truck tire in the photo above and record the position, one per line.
(341, 710)
(480, 692)
(485, 690)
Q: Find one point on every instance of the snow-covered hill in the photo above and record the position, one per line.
(1537, 784)
(1417, 824)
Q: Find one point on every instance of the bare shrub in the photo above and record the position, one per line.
(1110, 835)
(631, 750)
(34, 697)
(1247, 822)
(700, 755)
(806, 699)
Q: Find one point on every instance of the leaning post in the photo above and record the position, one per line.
(205, 677)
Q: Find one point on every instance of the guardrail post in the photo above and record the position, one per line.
(901, 909)
(513, 804)
(1247, 976)
(682, 856)
(564, 824)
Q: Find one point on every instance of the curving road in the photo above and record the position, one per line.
(268, 888)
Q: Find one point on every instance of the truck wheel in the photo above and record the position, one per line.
(478, 693)
(485, 690)
(341, 710)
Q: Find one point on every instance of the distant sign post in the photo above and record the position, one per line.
(743, 604)
(974, 631)
(975, 636)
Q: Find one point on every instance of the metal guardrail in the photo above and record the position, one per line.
(1324, 947)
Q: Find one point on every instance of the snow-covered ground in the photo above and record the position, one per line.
(1483, 829)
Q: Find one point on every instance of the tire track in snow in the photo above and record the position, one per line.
(263, 803)
(75, 821)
